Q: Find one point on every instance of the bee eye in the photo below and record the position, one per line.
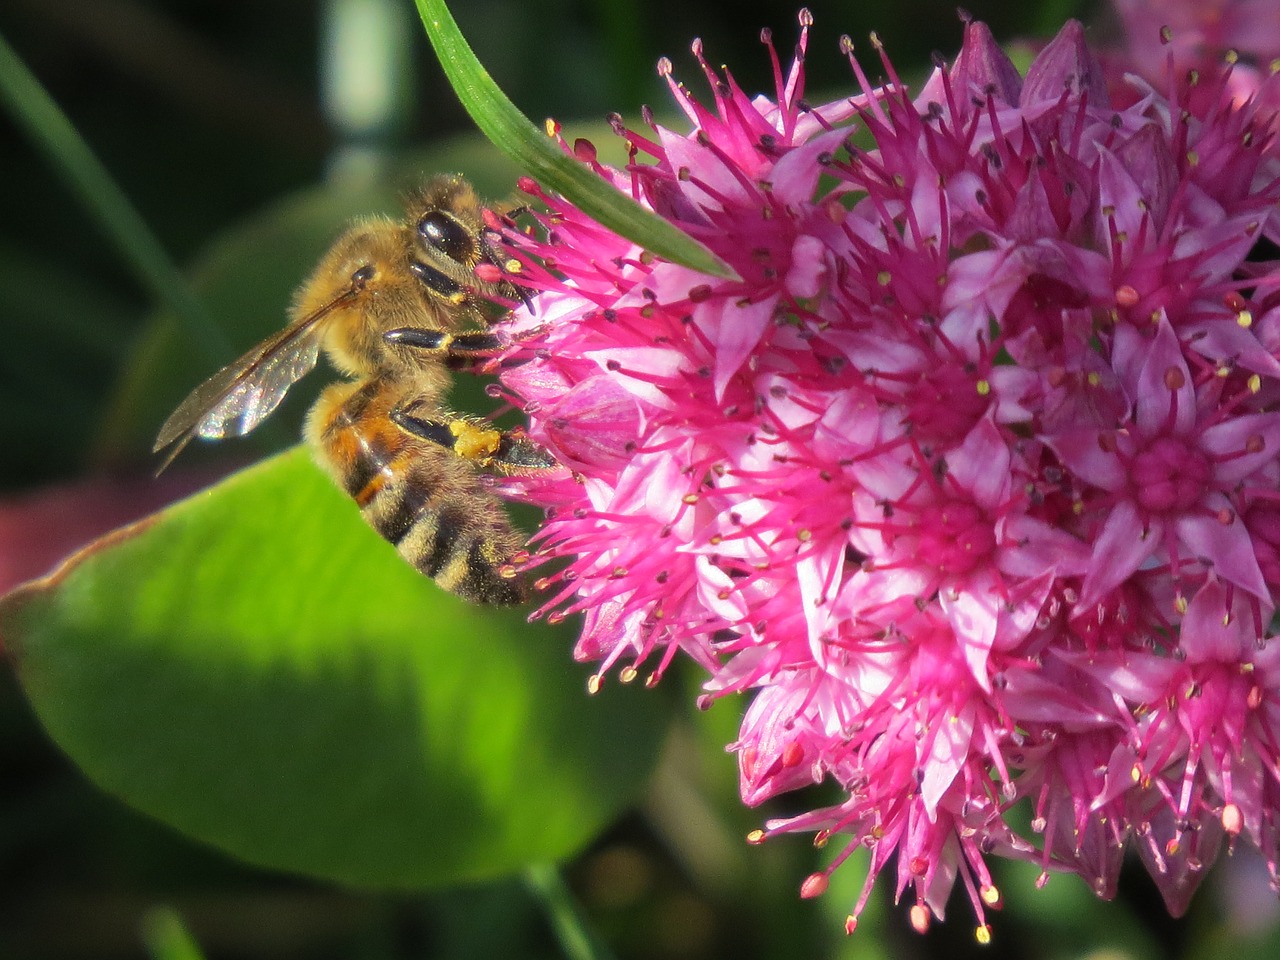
(444, 233)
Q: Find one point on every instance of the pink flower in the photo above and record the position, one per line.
(969, 478)
(1199, 36)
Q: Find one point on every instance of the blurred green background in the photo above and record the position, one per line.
(245, 133)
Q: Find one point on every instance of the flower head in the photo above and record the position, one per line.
(969, 477)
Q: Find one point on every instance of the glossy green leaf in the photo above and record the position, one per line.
(510, 131)
(255, 667)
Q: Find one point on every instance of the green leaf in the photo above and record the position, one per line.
(510, 131)
(255, 667)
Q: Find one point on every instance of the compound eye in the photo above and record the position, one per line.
(442, 232)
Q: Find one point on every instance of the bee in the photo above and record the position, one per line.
(396, 306)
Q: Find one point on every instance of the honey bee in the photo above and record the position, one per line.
(396, 306)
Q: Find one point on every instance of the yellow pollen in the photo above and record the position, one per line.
(594, 683)
(1193, 158)
(1255, 383)
(984, 388)
(472, 442)
(983, 934)
(628, 674)
(1245, 318)
(883, 278)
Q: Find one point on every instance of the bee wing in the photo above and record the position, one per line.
(240, 396)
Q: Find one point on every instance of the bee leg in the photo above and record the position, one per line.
(505, 451)
(475, 343)
(466, 346)
(459, 351)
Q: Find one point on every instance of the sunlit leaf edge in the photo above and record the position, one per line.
(511, 132)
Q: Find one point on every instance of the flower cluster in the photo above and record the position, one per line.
(970, 475)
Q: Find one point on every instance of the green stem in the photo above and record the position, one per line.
(576, 940)
(512, 133)
(52, 133)
(167, 938)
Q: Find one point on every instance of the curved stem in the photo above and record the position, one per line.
(576, 939)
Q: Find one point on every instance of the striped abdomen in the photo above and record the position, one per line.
(421, 497)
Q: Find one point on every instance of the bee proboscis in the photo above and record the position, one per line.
(395, 305)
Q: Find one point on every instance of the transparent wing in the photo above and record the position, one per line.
(242, 394)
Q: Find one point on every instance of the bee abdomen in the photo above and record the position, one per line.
(454, 541)
(419, 496)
